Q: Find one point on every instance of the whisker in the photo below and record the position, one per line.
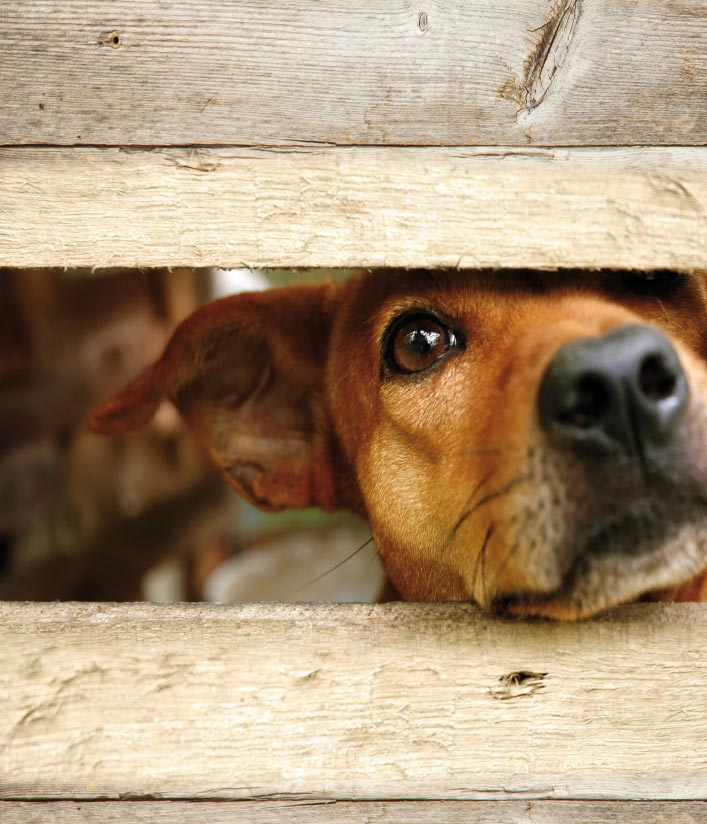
(335, 567)
(514, 548)
(483, 450)
(492, 496)
(497, 449)
(371, 561)
(450, 535)
(482, 556)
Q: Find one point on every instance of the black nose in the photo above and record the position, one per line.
(623, 392)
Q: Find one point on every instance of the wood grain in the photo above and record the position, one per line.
(375, 207)
(397, 701)
(354, 812)
(442, 72)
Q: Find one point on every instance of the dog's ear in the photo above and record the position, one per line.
(247, 374)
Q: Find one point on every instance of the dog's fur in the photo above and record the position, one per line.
(293, 393)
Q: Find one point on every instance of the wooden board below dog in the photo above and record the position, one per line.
(460, 72)
(546, 209)
(315, 702)
(354, 812)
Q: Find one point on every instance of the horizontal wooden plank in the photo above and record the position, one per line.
(397, 701)
(355, 812)
(547, 209)
(462, 72)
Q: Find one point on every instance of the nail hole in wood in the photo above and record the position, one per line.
(518, 683)
(110, 38)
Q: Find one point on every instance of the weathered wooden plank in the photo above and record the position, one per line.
(633, 209)
(355, 812)
(465, 72)
(397, 701)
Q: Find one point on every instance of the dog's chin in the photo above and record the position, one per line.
(622, 564)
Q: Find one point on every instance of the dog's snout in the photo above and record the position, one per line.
(622, 392)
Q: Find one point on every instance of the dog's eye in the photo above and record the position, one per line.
(653, 283)
(418, 342)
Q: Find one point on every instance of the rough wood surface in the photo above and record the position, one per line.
(462, 72)
(397, 701)
(355, 812)
(618, 208)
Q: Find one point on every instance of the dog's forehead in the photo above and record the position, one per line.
(379, 297)
(385, 294)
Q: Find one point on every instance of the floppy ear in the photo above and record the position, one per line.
(247, 374)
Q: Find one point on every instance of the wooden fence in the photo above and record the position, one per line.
(518, 133)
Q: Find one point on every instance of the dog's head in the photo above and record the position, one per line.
(534, 442)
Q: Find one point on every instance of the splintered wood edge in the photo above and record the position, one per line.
(623, 208)
(349, 702)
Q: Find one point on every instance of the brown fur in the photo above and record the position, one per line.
(465, 496)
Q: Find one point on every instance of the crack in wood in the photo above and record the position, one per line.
(549, 53)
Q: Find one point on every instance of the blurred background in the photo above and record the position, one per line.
(141, 516)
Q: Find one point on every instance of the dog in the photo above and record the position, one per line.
(534, 442)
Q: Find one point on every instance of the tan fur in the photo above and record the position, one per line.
(465, 496)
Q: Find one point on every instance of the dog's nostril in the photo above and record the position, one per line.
(589, 406)
(656, 379)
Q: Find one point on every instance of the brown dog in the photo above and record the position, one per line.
(535, 442)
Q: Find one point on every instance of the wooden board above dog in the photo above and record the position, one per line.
(627, 208)
(392, 72)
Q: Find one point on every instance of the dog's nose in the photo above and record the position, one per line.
(622, 392)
